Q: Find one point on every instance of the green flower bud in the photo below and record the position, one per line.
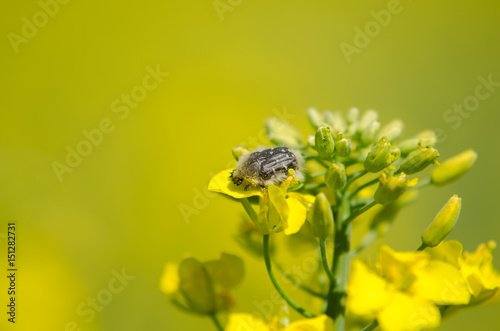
(325, 145)
(336, 121)
(343, 146)
(281, 132)
(392, 130)
(443, 223)
(196, 287)
(322, 217)
(392, 187)
(368, 117)
(335, 177)
(382, 155)
(239, 151)
(425, 138)
(419, 159)
(369, 133)
(454, 168)
(315, 117)
(352, 118)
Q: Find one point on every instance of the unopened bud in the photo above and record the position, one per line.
(352, 119)
(281, 132)
(343, 146)
(325, 145)
(425, 138)
(315, 117)
(392, 187)
(443, 223)
(392, 130)
(196, 286)
(238, 151)
(369, 133)
(368, 117)
(418, 160)
(382, 155)
(454, 168)
(322, 217)
(335, 177)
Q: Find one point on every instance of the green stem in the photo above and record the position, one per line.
(371, 326)
(297, 282)
(354, 177)
(359, 212)
(216, 322)
(249, 209)
(365, 185)
(179, 305)
(324, 259)
(422, 247)
(270, 271)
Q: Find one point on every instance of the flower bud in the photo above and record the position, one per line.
(196, 287)
(454, 168)
(325, 145)
(343, 146)
(392, 130)
(368, 117)
(352, 119)
(443, 223)
(239, 151)
(335, 177)
(382, 155)
(335, 121)
(369, 133)
(425, 138)
(281, 132)
(315, 117)
(392, 187)
(418, 160)
(322, 217)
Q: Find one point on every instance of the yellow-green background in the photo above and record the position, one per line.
(120, 207)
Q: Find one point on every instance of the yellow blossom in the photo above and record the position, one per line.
(248, 322)
(404, 291)
(280, 210)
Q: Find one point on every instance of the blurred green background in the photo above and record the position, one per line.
(119, 208)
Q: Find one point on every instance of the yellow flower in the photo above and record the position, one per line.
(280, 210)
(247, 322)
(405, 290)
(203, 288)
(483, 280)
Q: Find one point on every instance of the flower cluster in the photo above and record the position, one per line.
(313, 189)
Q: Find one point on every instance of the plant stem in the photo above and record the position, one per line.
(421, 184)
(267, 260)
(249, 209)
(370, 183)
(422, 247)
(371, 326)
(324, 259)
(296, 282)
(359, 212)
(216, 322)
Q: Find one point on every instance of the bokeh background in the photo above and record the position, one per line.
(119, 208)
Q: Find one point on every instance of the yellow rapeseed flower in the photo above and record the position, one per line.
(404, 290)
(247, 322)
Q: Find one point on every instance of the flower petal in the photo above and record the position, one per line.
(222, 183)
(242, 321)
(441, 283)
(169, 283)
(399, 267)
(278, 208)
(319, 323)
(406, 313)
(367, 293)
(296, 216)
(448, 251)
